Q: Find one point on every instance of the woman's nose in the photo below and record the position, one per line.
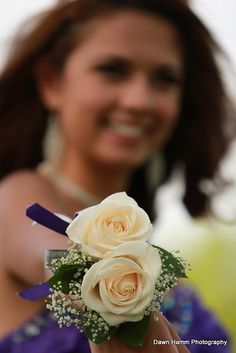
(138, 96)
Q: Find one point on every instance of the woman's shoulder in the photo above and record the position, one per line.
(23, 182)
(20, 177)
(20, 189)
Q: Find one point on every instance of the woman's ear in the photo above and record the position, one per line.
(48, 84)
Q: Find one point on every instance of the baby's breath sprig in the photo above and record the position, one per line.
(96, 328)
(73, 256)
(67, 304)
(65, 299)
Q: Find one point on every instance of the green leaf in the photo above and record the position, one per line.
(101, 335)
(133, 333)
(64, 275)
(172, 263)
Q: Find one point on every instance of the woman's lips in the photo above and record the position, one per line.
(128, 130)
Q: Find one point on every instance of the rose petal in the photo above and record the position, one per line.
(116, 220)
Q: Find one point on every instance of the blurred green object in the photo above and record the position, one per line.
(213, 271)
(210, 247)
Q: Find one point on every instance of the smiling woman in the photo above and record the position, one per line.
(124, 81)
(125, 78)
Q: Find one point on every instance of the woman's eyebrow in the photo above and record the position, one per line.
(110, 57)
(171, 67)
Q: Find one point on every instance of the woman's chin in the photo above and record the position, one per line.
(124, 162)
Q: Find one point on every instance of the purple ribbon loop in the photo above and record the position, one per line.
(46, 218)
(36, 292)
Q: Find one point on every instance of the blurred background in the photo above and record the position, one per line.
(209, 244)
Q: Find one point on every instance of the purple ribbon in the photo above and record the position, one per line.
(36, 292)
(46, 218)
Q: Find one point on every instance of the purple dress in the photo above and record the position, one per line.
(182, 307)
(194, 323)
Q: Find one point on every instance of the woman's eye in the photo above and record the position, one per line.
(167, 79)
(113, 70)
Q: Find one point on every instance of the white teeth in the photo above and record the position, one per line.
(128, 130)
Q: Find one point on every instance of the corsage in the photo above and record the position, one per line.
(110, 279)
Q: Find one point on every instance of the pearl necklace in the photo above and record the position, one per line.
(74, 191)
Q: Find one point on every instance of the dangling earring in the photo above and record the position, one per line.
(52, 142)
(155, 170)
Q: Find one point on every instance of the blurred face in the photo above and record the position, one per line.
(118, 97)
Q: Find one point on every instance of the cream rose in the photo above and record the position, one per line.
(121, 286)
(117, 219)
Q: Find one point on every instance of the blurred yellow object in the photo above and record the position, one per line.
(213, 271)
(210, 248)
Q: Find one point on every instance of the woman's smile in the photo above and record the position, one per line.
(118, 96)
(128, 131)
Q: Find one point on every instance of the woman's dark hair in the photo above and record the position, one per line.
(199, 140)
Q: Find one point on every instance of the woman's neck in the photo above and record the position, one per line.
(99, 180)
